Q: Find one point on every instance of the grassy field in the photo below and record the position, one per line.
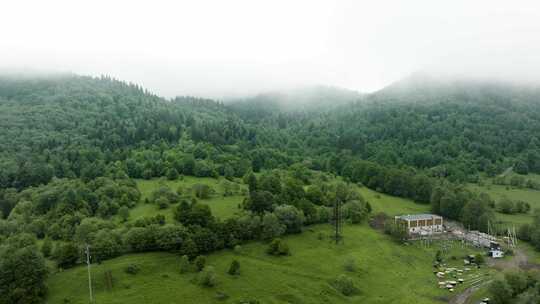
(221, 206)
(528, 195)
(499, 191)
(387, 273)
(390, 204)
(227, 206)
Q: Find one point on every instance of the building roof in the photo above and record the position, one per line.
(415, 217)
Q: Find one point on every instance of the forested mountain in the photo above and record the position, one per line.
(59, 126)
(81, 127)
(71, 147)
(71, 126)
(306, 99)
(452, 129)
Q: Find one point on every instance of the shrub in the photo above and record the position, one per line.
(200, 262)
(202, 191)
(123, 213)
(355, 211)
(521, 207)
(517, 281)
(66, 255)
(438, 257)
(396, 229)
(166, 193)
(278, 247)
(145, 221)
(23, 271)
(323, 214)
(193, 214)
(189, 248)
(207, 277)
(479, 259)
(221, 296)
(172, 174)
(506, 206)
(271, 227)
(184, 264)
(345, 285)
(47, 247)
(500, 291)
(180, 190)
(350, 265)
(234, 269)
(162, 203)
(107, 244)
(291, 217)
(132, 269)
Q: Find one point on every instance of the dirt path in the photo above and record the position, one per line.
(464, 296)
(520, 260)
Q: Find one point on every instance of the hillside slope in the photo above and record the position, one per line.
(453, 129)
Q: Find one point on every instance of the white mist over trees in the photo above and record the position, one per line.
(238, 48)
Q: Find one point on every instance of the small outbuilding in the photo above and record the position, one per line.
(495, 250)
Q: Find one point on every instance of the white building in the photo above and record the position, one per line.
(422, 223)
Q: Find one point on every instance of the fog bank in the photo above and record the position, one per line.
(241, 47)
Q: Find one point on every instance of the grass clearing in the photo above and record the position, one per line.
(392, 205)
(222, 206)
(497, 192)
(387, 273)
(225, 207)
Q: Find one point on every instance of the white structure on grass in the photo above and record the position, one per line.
(422, 223)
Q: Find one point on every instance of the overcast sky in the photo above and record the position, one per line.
(216, 48)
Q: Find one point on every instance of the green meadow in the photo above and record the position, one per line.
(222, 206)
(227, 206)
(499, 191)
(387, 272)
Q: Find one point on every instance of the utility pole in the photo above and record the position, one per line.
(515, 236)
(89, 274)
(337, 220)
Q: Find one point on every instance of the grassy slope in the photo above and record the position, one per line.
(389, 273)
(527, 195)
(391, 205)
(222, 207)
(225, 207)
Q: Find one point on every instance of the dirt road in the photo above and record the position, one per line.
(520, 260)
(464, 296)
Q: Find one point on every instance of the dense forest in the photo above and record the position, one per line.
(453, 130)
(71, 147)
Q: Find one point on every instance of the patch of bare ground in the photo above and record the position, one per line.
(519, 260)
